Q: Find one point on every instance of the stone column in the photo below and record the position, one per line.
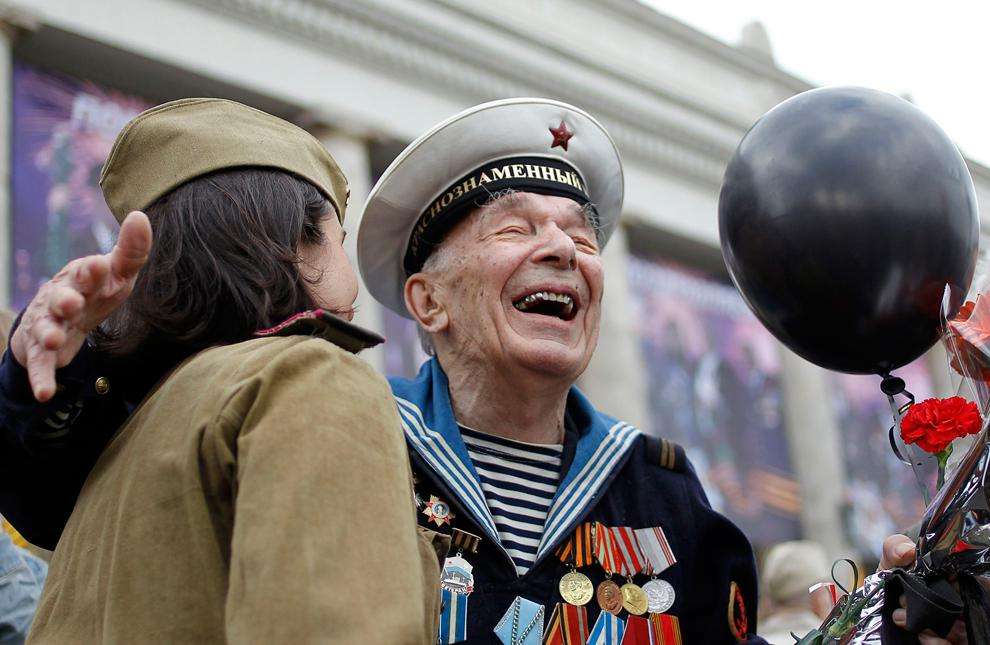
(351, 152)
(8, 33)
(615, 381)
(816, 451)
(13, 22)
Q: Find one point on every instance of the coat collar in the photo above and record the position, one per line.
(431, 429)
(329, 327)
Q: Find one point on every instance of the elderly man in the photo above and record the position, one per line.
(502, 212)
(566, 524)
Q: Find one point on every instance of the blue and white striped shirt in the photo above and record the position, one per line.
(519, 481)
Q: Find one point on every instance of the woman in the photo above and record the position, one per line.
(261, 491)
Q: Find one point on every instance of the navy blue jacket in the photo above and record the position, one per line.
(612, 474)
(47, 451)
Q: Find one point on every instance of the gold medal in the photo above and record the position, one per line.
(576, 588)
(634, 599)
(610, 597)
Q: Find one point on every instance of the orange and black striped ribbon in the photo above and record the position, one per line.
(464, 541)
(578, 550)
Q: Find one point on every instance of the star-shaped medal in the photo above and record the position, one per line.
(561, 135)
(438, 511)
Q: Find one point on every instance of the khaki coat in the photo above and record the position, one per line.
(261, 494)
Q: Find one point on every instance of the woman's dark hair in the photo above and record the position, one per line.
(223, 264)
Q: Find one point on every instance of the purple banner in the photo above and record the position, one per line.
(63, 129)
(714, 379)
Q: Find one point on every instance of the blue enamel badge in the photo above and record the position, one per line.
(522, 624)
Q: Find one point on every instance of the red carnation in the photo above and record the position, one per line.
(933, 424)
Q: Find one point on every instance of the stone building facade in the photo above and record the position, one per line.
(367, 76)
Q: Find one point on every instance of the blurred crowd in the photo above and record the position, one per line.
(790, 570)
(22, 573)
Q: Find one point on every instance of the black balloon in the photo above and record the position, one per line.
(844, 214)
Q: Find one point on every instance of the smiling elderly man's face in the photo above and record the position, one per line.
(518, 283)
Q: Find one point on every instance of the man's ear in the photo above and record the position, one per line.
(422, 302)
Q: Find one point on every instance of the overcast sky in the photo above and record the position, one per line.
(935, 51)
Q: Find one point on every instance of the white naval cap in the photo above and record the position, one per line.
(526, 144)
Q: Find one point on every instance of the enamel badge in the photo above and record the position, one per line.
(456, 576)
(438, 511)
(561, 135)
(522, 624)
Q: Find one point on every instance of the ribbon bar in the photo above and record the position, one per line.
(464, 541)
(629, 559)
(656, 549)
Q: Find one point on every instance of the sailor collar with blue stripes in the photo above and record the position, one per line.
(432, 431)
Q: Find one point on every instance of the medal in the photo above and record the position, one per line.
(576, 588)
(456, 584)
(659, 595)
(609, 597)
(456, 576)
(438, 511)
(634, 599)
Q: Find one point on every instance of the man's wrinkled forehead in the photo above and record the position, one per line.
(523, 203)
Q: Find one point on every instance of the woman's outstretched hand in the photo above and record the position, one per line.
(74, 302)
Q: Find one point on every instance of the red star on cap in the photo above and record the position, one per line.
(561, 135)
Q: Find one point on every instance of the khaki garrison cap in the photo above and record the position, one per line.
(170, 144)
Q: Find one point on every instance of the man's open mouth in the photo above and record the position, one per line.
(548, 303)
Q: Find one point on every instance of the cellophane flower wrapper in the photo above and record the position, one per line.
(954, 535)
(862, 624)
(955, 529)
